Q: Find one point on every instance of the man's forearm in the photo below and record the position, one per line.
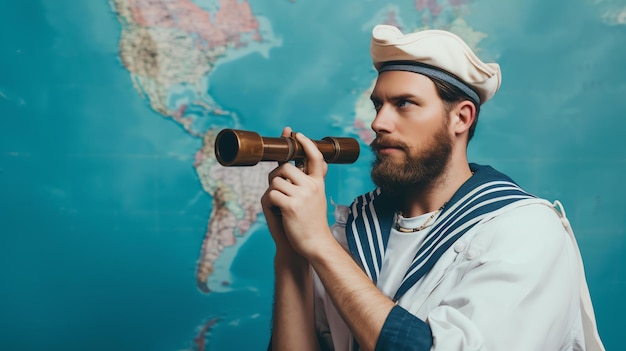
(293, 317)
(362, 306)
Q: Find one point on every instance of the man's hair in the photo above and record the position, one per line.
(451, 96)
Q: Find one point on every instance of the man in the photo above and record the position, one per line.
(443, 254)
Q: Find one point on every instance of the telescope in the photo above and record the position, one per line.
(245, 148)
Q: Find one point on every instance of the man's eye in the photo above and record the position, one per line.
(403, 103)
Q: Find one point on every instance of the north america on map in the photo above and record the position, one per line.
(170, 48)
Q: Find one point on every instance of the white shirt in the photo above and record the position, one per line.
(401, 249)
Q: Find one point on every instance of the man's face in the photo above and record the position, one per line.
(413, 144)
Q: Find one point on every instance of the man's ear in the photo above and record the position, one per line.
(463, 116)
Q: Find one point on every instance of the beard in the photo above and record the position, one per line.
(420, 168)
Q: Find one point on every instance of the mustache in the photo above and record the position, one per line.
(381, 142)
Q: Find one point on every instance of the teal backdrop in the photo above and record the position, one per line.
(118, 230)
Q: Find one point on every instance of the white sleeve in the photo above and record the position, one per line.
(521, 291)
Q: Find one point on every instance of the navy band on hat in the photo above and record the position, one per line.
(429, 71)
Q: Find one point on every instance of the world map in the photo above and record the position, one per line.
(171, 49)
(141, 240)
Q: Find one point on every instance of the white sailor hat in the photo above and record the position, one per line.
(435, 53)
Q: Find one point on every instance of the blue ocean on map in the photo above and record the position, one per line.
(102, 214)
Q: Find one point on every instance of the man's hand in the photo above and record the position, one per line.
(301, 198)
(273, 214)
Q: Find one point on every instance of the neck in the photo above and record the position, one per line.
(431, 197)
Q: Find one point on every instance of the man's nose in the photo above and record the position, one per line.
(383, 122)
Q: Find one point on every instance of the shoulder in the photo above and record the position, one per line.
(524, 227)
(527, 216)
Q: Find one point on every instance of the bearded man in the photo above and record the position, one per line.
(444, 254)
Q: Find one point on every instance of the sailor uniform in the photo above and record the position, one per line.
(499, 269)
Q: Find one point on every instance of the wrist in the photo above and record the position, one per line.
(289, 258)
(323, 248)
(291, 268)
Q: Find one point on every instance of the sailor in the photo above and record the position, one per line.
(443, 254)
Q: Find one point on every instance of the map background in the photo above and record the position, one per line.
(102, 215)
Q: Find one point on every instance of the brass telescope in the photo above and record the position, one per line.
(244, 148)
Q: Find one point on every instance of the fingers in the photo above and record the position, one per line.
(279, 172)
(289, 186)
(286, 132)
(315, 164)
(286, 172)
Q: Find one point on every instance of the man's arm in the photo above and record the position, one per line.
(361, 305)
(293, 325)
(302, 201)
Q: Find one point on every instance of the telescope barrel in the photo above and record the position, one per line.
(245, 148)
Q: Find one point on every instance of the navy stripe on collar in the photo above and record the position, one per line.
(371, 216)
